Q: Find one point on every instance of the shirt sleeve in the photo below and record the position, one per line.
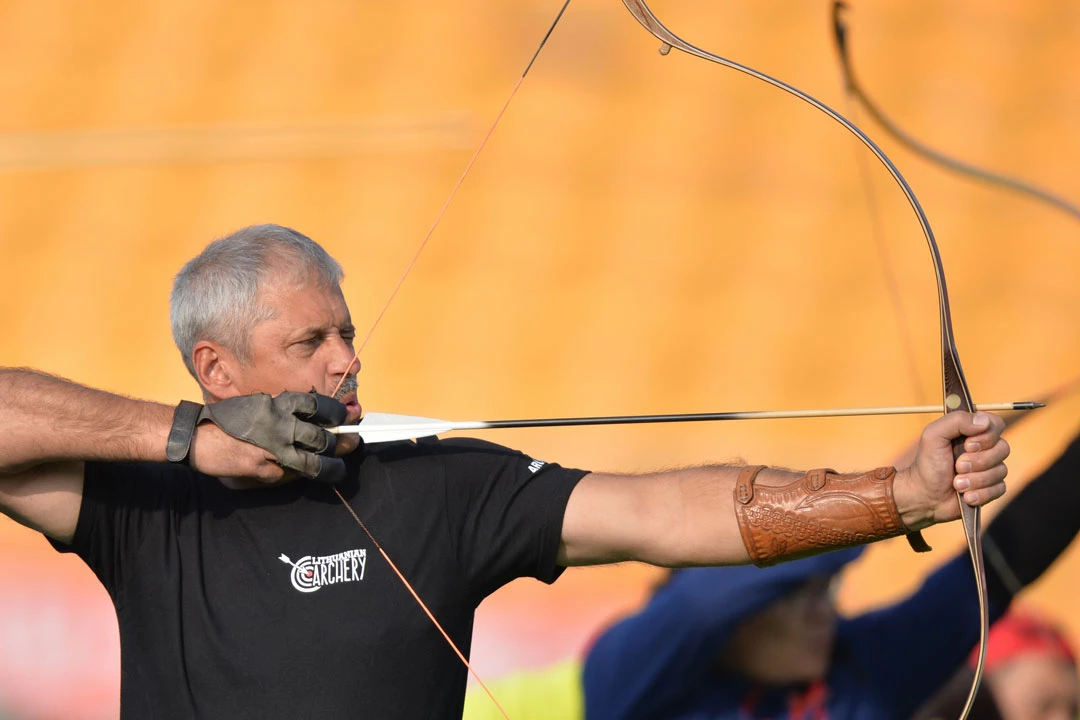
(505, 512)
(121, 504)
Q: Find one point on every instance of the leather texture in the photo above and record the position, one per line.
(290, 427)
(820, 511)
(185, 418)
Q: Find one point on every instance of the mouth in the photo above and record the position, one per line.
(346, 395)
(353, 410)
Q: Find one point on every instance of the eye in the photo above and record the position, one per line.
(310, 344)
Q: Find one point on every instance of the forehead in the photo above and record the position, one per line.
(302, 301)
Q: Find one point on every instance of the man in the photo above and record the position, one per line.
(241, 595)
(745, 642)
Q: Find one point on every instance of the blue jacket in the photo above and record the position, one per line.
(660, 663)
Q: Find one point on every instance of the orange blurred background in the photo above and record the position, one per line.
(642, 235)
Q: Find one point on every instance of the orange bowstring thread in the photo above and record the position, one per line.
(453, 191)
(423, 606)
(378, 319)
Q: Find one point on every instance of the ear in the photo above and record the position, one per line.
(215, 369)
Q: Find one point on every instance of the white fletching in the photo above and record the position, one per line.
(387, 427)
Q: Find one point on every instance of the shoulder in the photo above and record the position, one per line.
(440, 450)
(459, 462)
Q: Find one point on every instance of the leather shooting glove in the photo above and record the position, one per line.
(290, 427)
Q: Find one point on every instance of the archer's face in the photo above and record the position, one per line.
(307, 343)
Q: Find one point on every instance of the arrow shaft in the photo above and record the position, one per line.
(435, 427)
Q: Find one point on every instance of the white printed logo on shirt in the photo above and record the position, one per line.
(535, 466)
(313, 572)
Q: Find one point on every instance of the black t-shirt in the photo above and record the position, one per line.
(273, 603)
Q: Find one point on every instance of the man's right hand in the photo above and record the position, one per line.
(282, 436)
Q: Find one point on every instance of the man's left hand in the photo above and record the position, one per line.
(925, 491)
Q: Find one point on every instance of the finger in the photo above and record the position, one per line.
(944, 430)
(332, 471)
(978, 440)
(982, 479)
(984, 459)
(300, 404)
(313, 438)
(331, 444)
(974, 424)
(978, 498)
(303, 462)
(328, 412)
(314, 467)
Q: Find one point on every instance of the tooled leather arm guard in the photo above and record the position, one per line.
(820, 511)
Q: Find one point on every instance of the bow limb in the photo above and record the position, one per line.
(957, 396)
(855, 91)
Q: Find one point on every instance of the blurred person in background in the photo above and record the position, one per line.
(244, 590)
(747, 642)
(1031, 669)
(1031, 674)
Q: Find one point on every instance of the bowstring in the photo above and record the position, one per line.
(453, 191)
(393, 294)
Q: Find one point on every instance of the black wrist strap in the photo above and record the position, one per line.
(185, 418)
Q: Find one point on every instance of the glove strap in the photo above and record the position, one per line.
(185, 418)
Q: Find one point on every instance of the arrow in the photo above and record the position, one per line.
(385, 427)
(285, 559)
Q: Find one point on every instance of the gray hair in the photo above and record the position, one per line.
(215, 295)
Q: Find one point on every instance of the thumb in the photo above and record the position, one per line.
(956, 425)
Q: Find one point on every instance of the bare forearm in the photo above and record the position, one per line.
(691, 517)
(47, 419)
(698, 520)
(675, 518)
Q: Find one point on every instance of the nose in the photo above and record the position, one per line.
(344, 361)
